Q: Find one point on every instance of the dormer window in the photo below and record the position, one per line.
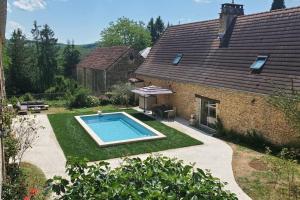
(259, 63)
(177, 59)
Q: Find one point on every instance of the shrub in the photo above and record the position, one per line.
(27, 97)
(82, 99)
(104, 100)
(61, 85)
(121, 94)
(153, 178)
(13, 100)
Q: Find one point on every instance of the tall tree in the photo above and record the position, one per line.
(126, 32)
(156, 28)
(278, 4)
(18, 71)
(71, 57)
(46, 50)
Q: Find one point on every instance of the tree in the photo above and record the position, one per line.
(278, 4)
(126, 32)
(71, 57)
(18, 74)
(46, 53)
(156, 28)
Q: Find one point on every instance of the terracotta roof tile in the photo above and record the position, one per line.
(275, 34)
(102, 58)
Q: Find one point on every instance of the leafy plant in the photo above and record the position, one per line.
(153, 178)
(27, 97)
(121, 94)
(282, 171)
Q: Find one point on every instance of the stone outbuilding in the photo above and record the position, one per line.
(226, 68)
(105, 67)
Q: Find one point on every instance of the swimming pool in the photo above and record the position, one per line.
(117, 128)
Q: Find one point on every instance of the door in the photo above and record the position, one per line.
(208, 112)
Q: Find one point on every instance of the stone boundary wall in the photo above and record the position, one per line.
(240, 111)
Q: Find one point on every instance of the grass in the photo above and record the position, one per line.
(253, 174)
(75, 142)
(35, 178)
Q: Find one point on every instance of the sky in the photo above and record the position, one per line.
(83, 20)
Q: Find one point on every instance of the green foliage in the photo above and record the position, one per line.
(156, 28)
(126, 32)
(278, 4)
(46, 50)
(62, 86)
(121, 94)
(17, 71)
(153, 178)
(14, 187)
(251, 138)
(27, 97)
(289, 104)
(71, 57)
(282, 172)
(82, 99)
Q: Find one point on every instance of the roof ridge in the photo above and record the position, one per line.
(241, 16)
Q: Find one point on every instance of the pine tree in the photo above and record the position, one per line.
(18, 78)
(156, 28)
(278, 4)
(46, 52)
(71, 57)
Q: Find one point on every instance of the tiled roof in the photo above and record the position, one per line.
(275, 34)
(103, 58)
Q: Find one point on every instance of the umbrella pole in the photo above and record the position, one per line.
(144, 103)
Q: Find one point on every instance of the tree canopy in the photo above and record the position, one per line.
(156, 28)
(278, 4)
(126, 32)
(71, 57)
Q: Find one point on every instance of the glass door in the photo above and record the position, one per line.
(208, 113)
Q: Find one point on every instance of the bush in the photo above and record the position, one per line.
(27, 97)
(153, 178)
(121, 94)
(62, 85)
(14, 101)
(104, 100)
(82, 99)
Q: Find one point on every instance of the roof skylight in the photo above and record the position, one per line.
(177, 59)
(259, 63)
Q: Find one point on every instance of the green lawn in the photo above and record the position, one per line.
(75, 142)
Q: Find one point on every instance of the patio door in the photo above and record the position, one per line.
(208, 112)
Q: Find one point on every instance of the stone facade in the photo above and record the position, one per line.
(239, 111)
(100, 81)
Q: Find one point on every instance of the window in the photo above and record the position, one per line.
(259, 63)
(177, 59)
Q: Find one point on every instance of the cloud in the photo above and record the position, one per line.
(202, 1)
(30, 5)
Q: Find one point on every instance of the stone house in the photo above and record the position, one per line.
(227, 67)
(105, 67)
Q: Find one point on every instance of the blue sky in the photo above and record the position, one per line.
(83, 20)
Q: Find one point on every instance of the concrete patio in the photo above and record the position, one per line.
(214, 155)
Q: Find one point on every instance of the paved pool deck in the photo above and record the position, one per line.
(214, 155)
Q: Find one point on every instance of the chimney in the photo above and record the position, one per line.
(228, 15)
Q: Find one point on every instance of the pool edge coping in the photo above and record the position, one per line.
(101, 143)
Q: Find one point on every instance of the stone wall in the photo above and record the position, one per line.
(240, 111)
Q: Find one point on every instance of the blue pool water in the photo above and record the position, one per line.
(116, 127)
